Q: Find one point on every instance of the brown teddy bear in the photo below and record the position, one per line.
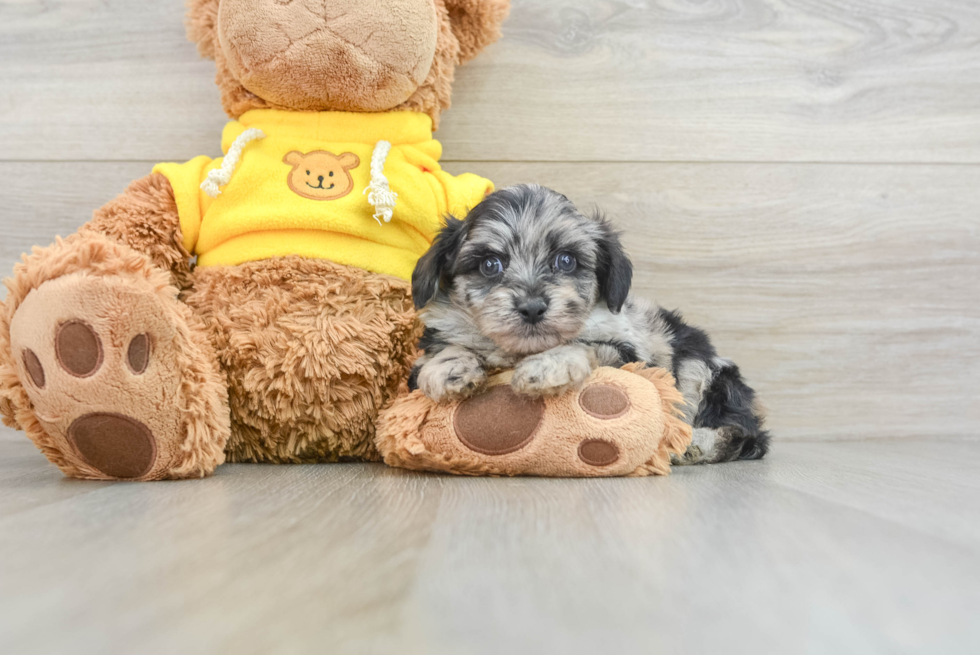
(122, 360)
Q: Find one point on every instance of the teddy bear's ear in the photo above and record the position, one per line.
(202, 25)
(476, 24)
(350, 160)
(293, 158)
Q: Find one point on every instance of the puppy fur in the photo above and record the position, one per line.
(528, 282)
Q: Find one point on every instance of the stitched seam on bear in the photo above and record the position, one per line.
(278, 56)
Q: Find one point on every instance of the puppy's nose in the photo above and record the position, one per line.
(320, 177)
(532, 311)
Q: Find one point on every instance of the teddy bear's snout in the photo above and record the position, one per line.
(320, 184)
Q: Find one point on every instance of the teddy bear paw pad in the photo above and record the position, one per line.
(78, 349)
(115, 444)
(598, 452)
(498, 422)
(99, 360)
(604, 401)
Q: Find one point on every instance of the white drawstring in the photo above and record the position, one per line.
(219, 177)
(379, 194)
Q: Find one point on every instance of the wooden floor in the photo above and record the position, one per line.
(859, 547)
(800, 177)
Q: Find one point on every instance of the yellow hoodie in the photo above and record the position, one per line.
(364, 190)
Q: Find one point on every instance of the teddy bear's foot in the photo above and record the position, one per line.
(120, 386)
(622, 422)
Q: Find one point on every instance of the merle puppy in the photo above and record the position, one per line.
(528, 282)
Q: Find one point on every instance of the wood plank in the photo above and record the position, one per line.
(740, 558)
(611, 80)
(752, 80)
(685, 563)
(847, 294)
(27, 481)
(910, 479)
(103, 79)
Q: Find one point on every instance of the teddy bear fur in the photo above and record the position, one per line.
(279, 360)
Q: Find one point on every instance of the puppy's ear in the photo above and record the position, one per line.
(615, 268)
(435, 264)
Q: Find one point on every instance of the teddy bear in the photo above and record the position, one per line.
(255, 307)
(621, 422)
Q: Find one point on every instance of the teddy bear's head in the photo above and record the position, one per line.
(346, 55)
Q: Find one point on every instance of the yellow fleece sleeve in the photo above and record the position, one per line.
(186, 182)
(412, 168)
(464, 192)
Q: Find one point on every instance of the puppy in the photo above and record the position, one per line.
(528, 282)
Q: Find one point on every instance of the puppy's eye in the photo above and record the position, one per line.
(565, 262)
(307, 172)
(331, 173)
(491, 267)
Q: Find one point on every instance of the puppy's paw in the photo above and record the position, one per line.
(553, 372)
(453, 373)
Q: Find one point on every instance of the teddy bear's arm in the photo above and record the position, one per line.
(144, 217)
